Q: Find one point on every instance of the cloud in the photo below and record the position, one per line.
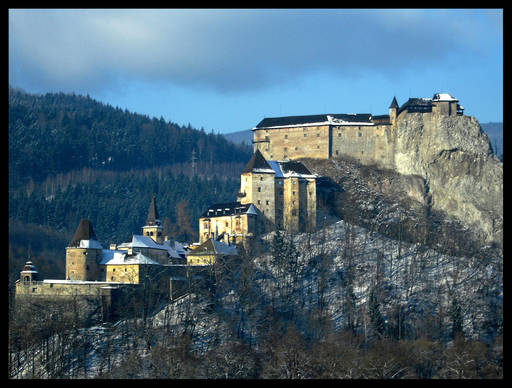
(227, 50)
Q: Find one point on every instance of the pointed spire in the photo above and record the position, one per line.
(83, 232)
(394, 104)
(257, 161)
(153, 218)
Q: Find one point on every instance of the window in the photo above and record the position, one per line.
(296, 148)
(317, 147)
(267, 204)
(286, 136)
(317, 135)
(114, 270)
(339, 134)
(286, 148)
(293, 192)
(259, 189)
(336, 152)
(305, 135)
(227, 223)
(259, 201)
(261, 178)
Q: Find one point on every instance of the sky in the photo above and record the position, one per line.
(225, 70)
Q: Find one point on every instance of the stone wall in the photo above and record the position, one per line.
(293, 142)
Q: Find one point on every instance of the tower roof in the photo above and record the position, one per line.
(153, 218)
(84, 232)
(257, 163)
(394, 104)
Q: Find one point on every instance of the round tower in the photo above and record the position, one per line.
(83, 254)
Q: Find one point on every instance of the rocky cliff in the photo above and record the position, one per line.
(446, 187)
(462, 176)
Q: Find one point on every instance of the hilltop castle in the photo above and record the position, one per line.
(366, 138)
(276, 192)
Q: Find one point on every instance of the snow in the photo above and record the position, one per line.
(139, 258)
(93, 244)
(443, 97)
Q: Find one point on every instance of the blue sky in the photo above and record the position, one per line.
(227, 69)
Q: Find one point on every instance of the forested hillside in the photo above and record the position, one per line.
(71, 157)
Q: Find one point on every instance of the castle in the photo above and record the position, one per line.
(276, 192)
(366, 138)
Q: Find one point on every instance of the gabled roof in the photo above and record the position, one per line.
(257, 163)
(228, 209)
(140, 241)
(212, 246)
(84, 236)
(291, 168)
(137, 258)
(323, 119)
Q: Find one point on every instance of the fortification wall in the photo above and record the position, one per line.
(367, 144)
(293, 142)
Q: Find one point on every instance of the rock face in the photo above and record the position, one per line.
(462, 176)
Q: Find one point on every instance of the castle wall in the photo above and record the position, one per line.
(367, 144)
(293, 142)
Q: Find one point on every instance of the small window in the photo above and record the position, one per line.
(267, 204)
(305, 135)
(317, 147)
(286, 148)
(339, 134)
(125, 269)
(227, 224)
(113, 270)
(293, 192)
(286, 136)
(360, 134)
(317, 135)
(259, 189)
(336, 152)
(296, 148)
(111, 278)
(261, 178)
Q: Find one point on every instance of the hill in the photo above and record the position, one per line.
(240, 137)
(57, 133)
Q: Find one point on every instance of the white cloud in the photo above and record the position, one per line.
(228, 50)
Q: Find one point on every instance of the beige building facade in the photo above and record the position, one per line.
(363, 137)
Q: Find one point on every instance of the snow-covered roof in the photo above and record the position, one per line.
(316, 120)
(107, 255)
(140, 241)
(216, 247)
(65, 281)
(94, 244)
(137, 258)
(443, 97)
(287, 169)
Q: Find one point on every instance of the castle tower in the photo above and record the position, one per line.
(29, 273)
(83, 254)
(153, 227)
(393, 110)
(257, 186)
